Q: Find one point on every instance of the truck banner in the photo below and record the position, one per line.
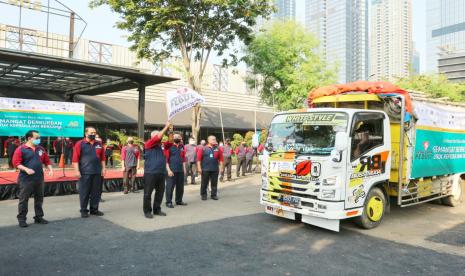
(440, 141)
(181, 99)
(50, 118)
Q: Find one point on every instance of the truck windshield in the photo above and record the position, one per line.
(306, 133)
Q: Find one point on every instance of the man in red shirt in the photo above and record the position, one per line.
(89, 165)
(130, 160)
(227, 156)
(176, 168)
(209, 164)
(29, 159)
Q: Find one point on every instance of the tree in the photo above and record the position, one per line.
(192, 30)
(435, 85)
(248, 137)
(286, 65)
(237, 140)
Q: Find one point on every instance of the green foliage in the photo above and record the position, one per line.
(236, 140)
(248, 138)
(435, 85)
(263, 136)
(191, 30)
(123, 138)
(286, 65)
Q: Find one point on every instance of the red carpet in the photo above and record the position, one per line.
(8, 178)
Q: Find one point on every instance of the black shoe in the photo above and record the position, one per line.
(97, 213)
(84, 215)
(243, 175)
(135, 191)
(230, 180)
(101, 200)
(221, 180)
(214, 197)
(148, 215)
(169, 205)
(23, 224)
(40, 221)
(204, 197)
(182, 203)
(160, 213)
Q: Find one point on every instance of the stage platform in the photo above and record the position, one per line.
(62, 185)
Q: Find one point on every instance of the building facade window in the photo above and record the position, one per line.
(100, 52)
(220, 78)
(21, 39)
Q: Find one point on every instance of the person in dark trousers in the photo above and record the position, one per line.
(109, 147)
(57, 149)
(209, 164)
(29, 159)
(191, 156)
(10, 145)
(249, 154)
(130, 160)
(89, 164)
(69, 145)
(176, 168)
(154, 173)
(227, 157)
(241, 162)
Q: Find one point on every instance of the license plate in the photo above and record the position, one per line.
(289, 200)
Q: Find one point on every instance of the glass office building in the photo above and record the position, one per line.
(342, 29)
(445, 30)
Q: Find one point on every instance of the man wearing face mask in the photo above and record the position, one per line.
(154, 173)
(176, 168)
(227, 156)
(209, 164)
(89, 165)
(130, 156)
(191, 156)
(28, 159)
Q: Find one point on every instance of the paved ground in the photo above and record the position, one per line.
(231, 236)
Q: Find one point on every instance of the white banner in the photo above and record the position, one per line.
(180, 100)
(442, 116)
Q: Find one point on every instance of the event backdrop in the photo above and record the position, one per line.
(50, 118)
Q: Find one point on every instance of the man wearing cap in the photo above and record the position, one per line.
(209, 164)
(240, 154)
(89, 165)
(176, 168)
(130, 157)
(154, 173)
(29, 159)
(227, 158)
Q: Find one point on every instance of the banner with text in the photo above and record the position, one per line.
(181, 99)
(50, 118)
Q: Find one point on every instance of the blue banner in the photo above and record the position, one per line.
(438, 152)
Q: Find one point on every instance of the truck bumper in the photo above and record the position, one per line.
(320, 213)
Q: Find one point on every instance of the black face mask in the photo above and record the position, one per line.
(177, 141)
(130, 142)
(91, 137)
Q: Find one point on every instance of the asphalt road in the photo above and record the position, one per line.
(231, 236)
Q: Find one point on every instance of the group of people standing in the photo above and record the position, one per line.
(167, 166)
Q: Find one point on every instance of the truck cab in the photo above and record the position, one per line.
(326, 164)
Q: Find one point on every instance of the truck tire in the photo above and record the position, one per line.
(374, 209)
(458, 192)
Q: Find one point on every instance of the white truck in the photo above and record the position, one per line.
(349, 153)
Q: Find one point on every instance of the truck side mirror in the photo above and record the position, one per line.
(341, 142)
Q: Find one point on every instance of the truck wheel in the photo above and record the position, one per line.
(457, 195)
(373, 209)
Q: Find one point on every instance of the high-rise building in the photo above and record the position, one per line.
(445, 30)
(285, 9)
(390, 39)
(342, 29)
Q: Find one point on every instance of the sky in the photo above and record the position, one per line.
(101, 22)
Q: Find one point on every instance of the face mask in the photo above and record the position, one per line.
(91, 137)
(130, 142)
(177, 141)
(36, 142)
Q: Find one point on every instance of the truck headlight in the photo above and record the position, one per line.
(328, 193)
(330, 181)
